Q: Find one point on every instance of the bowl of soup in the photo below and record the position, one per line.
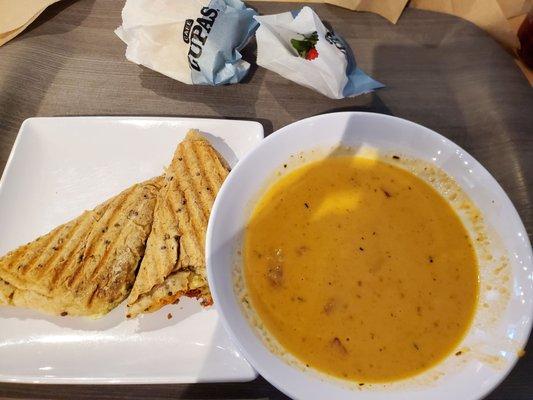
(358, 255)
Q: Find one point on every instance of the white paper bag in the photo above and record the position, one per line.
(298, 46)
(193, 41)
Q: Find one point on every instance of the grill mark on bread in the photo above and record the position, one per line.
(206, 192)
(222, 167)
(91, 297)
(213, 180)
(47, 248)
(96, 241)
(68, 260)
(175, 220)
(43, 265)
(214, 164)
(218, 167)
(188, 231)
(110, 248)
(48, 264)
(208, 189)
(194, 219)
(163, 257)
(59, 274)
(113, 245)
(187, 181)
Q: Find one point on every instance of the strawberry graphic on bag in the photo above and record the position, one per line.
(311, 54)
(306, 46)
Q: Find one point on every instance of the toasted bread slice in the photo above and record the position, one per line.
(174, 263)
(86, 266)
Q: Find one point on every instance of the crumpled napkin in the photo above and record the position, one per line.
(192, 41)
(299, 47)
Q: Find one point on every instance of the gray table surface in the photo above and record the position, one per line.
(440, 71)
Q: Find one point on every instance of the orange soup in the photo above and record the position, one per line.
(360, 269)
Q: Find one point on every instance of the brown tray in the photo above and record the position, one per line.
(440, 71)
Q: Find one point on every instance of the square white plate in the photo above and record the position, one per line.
(61, 166)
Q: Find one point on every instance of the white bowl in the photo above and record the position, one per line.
(493, 343)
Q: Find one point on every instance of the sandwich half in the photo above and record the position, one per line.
(174, 263)
(87, 266)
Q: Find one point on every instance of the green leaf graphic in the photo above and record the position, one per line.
(302, 46)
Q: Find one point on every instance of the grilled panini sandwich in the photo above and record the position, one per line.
(174, 263)
(86, 266)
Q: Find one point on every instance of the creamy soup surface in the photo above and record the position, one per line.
(360, 269)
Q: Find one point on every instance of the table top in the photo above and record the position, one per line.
(440, 71)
